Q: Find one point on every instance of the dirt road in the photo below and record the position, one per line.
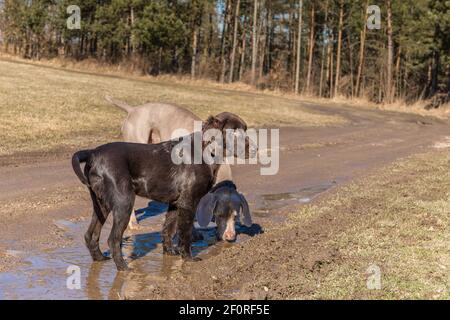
(45, 210)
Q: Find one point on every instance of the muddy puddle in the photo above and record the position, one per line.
(55, 274)
(267, 204)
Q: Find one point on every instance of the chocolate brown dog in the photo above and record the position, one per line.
(115, 173)
(157, 122)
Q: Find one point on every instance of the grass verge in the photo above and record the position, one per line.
(395, 220)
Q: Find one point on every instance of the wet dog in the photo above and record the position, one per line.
(158, 122)
(115, 173)
(225, 204)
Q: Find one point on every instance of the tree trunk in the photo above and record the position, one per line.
(233, 50)
(435, 72)
(325, 44)
(262, 42)
(211, 35)
(290, 63)
(194, 51)
(243, 47)
(361, 52)
(380, 87)
(299, 46)
(311, 49)
(223, 43)
(448, 81)
(254, 47)
(339, 48)
(160, 60)
(390, 54)
(405, 73)
(352, 91)
(132, 35)
(397, 72)
(269, 34)
(331, 68)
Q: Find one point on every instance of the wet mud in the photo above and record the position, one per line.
(51, 274)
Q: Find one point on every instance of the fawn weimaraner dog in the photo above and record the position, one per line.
(157, 122)
(116, 172)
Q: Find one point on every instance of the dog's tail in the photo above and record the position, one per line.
(77, 159)
(121, 104)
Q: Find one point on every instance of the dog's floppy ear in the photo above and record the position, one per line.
(205, 209)
(246, 218)
(213, 123)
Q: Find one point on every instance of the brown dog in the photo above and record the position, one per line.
(116, 173)
(157, 122)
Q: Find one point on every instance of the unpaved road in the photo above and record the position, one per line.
(45, 210)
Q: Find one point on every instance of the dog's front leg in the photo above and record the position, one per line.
(168, 232)
(185, 226)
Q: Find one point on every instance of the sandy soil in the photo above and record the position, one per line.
(38, 191)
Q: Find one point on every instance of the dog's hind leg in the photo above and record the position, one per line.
(155, 136)
(133, 224)
(169, 230)
(121, 215)
(92, 235)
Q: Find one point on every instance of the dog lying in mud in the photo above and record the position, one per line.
(158, 122)
(225, 204)
(115, 173)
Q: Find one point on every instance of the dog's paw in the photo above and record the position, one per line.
(171, 251)
(191, 259)
(102, 258)
(98, 256)
(123, 267)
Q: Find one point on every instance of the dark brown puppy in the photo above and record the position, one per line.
(115, 173)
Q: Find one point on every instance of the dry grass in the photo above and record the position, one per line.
(44, 108)
(127, 70)
(443, 112)
(400, 220)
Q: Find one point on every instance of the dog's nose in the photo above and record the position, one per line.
(230, 236)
